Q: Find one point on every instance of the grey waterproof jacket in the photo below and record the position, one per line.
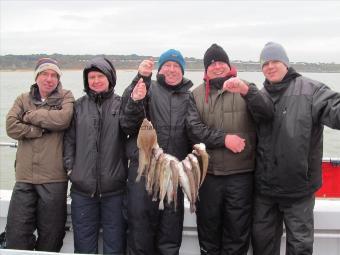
(167, 110)
(289, 150)
(94, 145)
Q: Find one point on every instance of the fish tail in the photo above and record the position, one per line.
(192, 208)
(161, 205)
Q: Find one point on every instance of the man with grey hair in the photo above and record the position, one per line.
(289, 153)
(37, 120)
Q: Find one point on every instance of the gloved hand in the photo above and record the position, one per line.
(234, 143)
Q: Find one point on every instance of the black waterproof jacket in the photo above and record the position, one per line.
(94, 144)
(289, 150)
(166, 108)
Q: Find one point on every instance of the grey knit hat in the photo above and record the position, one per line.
(273, 51)
(45, 64)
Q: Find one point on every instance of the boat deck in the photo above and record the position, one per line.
(326, 215)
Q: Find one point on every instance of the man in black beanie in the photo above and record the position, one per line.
(289, 153)
(224, 209)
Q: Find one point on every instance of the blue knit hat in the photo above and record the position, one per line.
(274, 51)
(171, 55)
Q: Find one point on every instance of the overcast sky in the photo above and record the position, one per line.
(309, 30)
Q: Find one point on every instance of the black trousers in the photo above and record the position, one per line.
(269, 215)
(150, 230)
(224, 214)
(37, 207)
(89, 214)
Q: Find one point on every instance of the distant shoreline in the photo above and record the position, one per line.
(131, 62)
(131, 70)
(80, 69)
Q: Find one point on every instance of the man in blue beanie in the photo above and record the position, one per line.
(150, 230)
(289, 153)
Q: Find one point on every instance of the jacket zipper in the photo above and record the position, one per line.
(98, 161)
(220, 95)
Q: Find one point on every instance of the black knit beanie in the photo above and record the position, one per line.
(215, 53)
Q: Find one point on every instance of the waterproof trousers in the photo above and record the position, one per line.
(224, 213)
(152, 231)
(37, 207)
(269, 215)
(89, 215)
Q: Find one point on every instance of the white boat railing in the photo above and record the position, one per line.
(9, 144)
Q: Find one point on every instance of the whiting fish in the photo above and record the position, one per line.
(195, 170)
(164, 179)
(156, 153)
(174, 180)
(200, 150)
(159, 165)
(192, 183)
(164, 172)
(184, 181)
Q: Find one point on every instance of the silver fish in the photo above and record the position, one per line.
(174, 180)
(164, 179)
(200, 149)
(159, 165)
(184, 181)
(195, 169)
(152, 169)
(193, 190)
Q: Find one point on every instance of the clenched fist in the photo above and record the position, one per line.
(139, 91)
(235, 85)
(145, 68)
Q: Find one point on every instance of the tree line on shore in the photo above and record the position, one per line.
(24, 62)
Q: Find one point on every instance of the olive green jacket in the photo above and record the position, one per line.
(228, 112)
(39, 128)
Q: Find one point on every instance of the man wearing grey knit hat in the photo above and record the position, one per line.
(37, 120)
(289, 152)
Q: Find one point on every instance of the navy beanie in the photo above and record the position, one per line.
(273, 51)
(215, 53)
(172, 55)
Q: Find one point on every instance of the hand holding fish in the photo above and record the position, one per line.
(145, 68)
(234, 143)
(139, 91)
(235, 85)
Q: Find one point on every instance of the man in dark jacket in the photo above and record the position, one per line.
(164, 102)
(289, 154)
(224, 209)
(96, 164)
(37, 120)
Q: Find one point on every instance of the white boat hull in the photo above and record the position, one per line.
(326, 215)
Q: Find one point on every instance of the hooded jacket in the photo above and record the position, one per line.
(289, 150)
(94, 144)
(40, 136)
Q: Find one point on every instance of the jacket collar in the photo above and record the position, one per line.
(184, 86)
(55, 98)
